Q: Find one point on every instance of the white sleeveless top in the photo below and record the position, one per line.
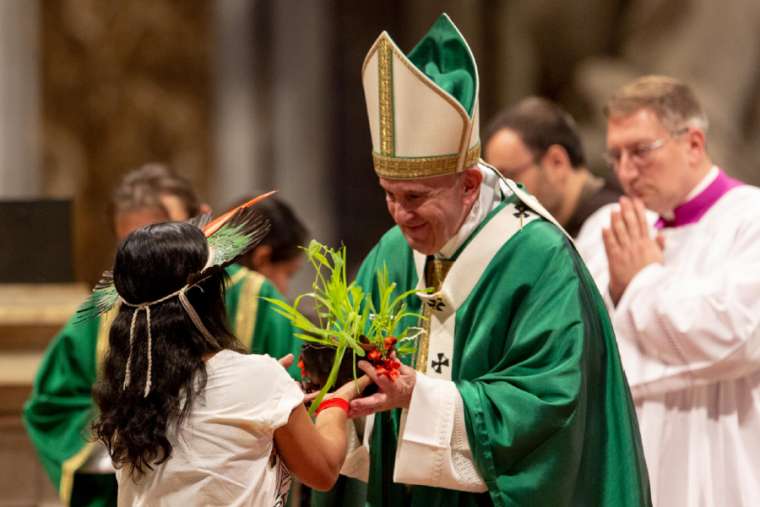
(223, 455)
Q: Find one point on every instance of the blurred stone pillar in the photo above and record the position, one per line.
(19, 100)
(237, 170)
(272, 109)
(301, 107)
(302, 136)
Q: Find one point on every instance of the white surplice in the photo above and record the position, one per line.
(689, 336)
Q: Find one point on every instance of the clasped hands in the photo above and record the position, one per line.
(629, 245)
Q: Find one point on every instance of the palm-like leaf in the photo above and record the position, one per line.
(345, 313)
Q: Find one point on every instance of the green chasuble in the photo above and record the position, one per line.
(548, 413)
(58, 413)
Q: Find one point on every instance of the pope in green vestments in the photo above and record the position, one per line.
(60, 409)
(516, 396)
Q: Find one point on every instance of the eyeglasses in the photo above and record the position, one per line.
(639, 154)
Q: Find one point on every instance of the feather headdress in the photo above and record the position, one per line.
(229, 236)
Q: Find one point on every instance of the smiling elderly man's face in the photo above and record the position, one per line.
(430, 211)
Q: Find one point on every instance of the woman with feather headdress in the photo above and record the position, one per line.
(187, 417)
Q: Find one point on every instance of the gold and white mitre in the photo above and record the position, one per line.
(423, 107)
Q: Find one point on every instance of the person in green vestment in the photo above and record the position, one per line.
(516, 396)
(280, 255)
(59, 411)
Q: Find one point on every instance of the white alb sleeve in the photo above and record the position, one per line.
(433, 449)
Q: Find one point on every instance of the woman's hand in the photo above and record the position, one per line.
(351, 389)
(348, 391)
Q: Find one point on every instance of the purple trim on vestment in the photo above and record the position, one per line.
(691, 211)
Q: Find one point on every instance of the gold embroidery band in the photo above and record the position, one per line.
(423, 344)
(422, 167)
(435, 273)
(104, 329)
(239, 275)
(68, 468)
(385, 76)
(247, 309)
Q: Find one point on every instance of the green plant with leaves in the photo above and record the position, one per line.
(347, 318)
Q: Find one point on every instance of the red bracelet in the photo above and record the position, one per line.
(333, 402)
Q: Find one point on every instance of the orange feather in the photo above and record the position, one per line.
(219, 221)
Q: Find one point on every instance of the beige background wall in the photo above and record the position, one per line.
(241, 95)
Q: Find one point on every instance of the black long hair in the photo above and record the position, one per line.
(152, 262)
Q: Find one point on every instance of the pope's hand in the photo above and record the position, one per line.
(392, 393)
(629, 246)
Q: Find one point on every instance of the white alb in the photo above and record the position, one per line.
(688, 331)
